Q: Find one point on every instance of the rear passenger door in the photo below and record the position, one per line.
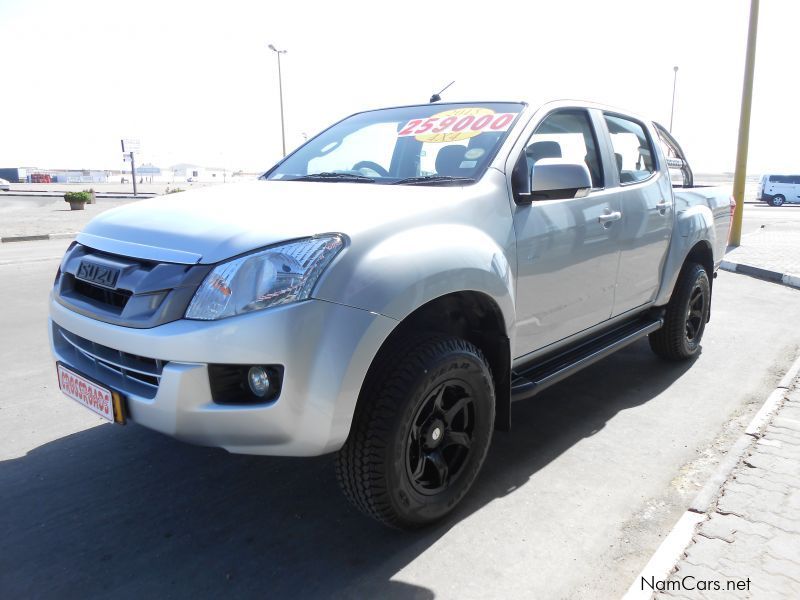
(646, 202)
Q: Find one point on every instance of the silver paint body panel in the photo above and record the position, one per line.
(554, 270)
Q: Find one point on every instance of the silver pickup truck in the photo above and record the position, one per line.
(389, 289)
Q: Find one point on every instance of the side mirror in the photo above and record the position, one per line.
(558, 178)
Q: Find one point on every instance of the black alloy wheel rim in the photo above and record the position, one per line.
(441, 436)
(695, 314)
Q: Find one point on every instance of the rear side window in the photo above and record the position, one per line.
(633, 151)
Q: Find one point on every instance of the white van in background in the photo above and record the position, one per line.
(779, 189)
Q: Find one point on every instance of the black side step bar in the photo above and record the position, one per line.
(528, 381)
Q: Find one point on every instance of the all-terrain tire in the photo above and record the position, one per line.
(428, 402)
(686, 315)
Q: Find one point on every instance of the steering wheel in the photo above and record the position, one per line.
(370, 166)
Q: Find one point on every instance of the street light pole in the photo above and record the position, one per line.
(674, 85)
(280, 94)
(133, 175)
(744, 125)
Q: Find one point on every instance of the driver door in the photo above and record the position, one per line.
(567, 249)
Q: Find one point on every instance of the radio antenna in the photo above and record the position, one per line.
(437, 97)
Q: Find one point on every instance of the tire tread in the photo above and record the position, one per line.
(667, 342)
(360, 464)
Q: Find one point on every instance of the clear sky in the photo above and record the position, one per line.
(195, 81)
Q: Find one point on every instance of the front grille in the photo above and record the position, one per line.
(116, 298)
(129, 368)
(145, 294)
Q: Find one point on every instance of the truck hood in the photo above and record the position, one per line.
(214, 223)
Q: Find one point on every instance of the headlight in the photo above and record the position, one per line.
(278, 275)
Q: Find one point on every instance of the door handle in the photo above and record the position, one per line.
(608, 218)
(662, 206)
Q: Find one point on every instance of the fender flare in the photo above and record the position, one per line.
(411, 268)
(694, 231)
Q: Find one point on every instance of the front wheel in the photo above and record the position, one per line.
(777, 200)
(686, 315)
(421, 432)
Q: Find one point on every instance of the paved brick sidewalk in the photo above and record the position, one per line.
(752, 535)
(775, 251)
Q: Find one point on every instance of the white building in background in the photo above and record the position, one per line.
(180, 173)
(195, 173)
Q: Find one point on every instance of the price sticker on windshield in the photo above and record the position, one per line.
(456, 124)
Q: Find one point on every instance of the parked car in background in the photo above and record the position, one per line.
(389, 288)
(4, 184)
(777, 190)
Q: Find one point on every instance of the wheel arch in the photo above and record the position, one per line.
(702, 254)
(693, 248)
(471, 315)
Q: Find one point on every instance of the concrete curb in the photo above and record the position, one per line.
(759, 273)
(705, 497)
(32, 238)
(674, 545)
(760, 421)
(668, 553)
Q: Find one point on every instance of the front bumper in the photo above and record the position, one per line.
(325, 349)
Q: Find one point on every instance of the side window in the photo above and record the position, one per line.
(632, 149)
(676, 174)
(567, 134)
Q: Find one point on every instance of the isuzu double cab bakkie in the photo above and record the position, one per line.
(387, 290)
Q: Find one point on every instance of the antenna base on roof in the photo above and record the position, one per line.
(437, 97)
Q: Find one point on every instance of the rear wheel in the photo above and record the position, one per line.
(686, 315)
(421, 432)
(777, 200)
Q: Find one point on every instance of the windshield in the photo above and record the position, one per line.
(432, 144)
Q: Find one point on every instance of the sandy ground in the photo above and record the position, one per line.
(40, 215)
(101, 188)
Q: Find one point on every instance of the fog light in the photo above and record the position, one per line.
(259, 381)
(245, 384)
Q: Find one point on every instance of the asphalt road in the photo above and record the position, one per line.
(774, 217)
(570, 504)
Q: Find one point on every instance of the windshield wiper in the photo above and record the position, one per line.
(423, 179)
(327, 176)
